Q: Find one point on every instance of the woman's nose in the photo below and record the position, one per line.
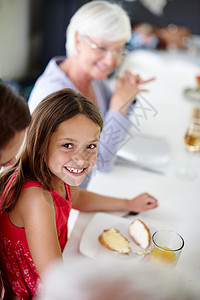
(110, 58)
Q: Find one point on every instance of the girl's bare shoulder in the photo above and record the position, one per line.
(35, 201)
(34, 195)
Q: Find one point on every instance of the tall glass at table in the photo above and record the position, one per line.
(192, 144)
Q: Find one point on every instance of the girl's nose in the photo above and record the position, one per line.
(80, 158)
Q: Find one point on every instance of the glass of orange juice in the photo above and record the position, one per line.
(166, 247)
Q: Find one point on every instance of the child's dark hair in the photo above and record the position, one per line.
(47, 116)
(14, 113)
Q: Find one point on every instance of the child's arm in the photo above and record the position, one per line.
(87, 201)
(37, 213)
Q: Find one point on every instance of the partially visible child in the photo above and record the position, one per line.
(37, 194)
(14, 119)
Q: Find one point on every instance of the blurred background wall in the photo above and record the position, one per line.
(33, 31)
(14, 37)
(179, 12)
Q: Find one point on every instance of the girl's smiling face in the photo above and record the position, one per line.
(72, 150)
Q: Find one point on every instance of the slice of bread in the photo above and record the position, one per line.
(140, 234)
(115, 241)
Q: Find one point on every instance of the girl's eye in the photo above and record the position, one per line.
(91, 146)
(68, 146)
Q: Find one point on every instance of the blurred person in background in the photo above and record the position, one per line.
(95, 46)
(111, 277)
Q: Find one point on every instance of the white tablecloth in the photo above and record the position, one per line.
(169, 116)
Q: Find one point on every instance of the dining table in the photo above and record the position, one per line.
(164, 111)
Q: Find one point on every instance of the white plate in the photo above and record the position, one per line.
(146, 150)
(90, 245)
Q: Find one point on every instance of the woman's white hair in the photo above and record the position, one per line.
(100, 19)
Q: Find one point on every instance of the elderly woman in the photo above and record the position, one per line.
(95, 45)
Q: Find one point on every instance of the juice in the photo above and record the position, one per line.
(166, 257)
(192, 138)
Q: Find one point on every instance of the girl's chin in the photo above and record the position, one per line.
(74, 181)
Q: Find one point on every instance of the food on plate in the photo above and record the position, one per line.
(115, 241)
(140, 233)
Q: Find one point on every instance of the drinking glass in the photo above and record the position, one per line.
(166, 247)
(192, 144)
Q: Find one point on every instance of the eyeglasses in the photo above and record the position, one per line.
(102, 51)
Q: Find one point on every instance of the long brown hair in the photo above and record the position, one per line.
(14, 113)
(52, 111)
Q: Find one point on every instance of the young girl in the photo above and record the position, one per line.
(60, 149)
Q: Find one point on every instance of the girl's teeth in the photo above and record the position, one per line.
(75, 170)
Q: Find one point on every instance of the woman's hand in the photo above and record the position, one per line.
(127, 87)
(141, 203)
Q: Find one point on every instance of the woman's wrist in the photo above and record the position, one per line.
(119, 104)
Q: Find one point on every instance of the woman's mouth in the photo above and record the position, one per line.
(103, 69)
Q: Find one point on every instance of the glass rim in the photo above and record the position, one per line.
(162, 248)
